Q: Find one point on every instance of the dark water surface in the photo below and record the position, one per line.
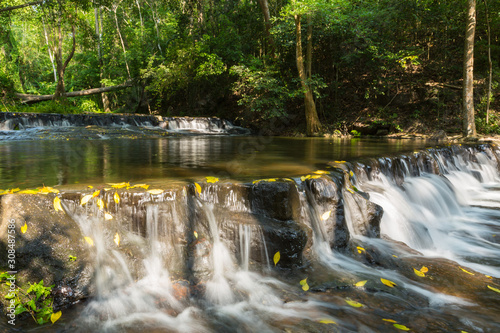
(27, 164)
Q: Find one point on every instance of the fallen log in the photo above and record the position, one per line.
(27, 98)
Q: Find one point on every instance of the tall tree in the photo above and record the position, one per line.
(469, 126)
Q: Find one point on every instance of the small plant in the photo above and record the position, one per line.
(36, 300)
(355, 133)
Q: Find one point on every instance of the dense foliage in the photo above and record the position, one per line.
(396, 61)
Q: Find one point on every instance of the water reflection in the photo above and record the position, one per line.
(58, 162)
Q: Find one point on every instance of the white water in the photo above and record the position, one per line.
(454, 215)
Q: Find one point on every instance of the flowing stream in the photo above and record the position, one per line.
(349, 242)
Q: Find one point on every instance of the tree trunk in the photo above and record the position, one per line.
(51, 56)
(121, 39)
(313, 124)
(98, 32)
(469, 126)
(490, 76)
(264, 6)
(39, 98)
(309, 47)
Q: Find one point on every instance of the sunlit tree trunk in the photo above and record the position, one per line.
(469, 126)
(51, 56)
(313, 124)
(115, 8)
(98, 32)
(60, 65)
(490, 76)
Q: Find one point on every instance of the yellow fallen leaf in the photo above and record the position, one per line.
(361, 283)
(351, 173)
(28, 192)
(303, 178)
(389, 320)
(156, 191)
(119, 185)
(419, 273)
(466, 271)
(55, 316)
(96, 193)
(315, 176)
(321, 172)
(85, 199)
(489, 277)
(24, 228)
(57, 204)
(116, 197)
(90, 186)
(353, 303)
(401, 327)
(270, 180)
(424, 269)
(388, 283)
(276, 257)
(212, 179)
(195, 234)
(198, 188)
(14, 190)
(395, 256)
(108, 216)
(47, 189)
(340, 162)
(326, 215)
(304, 284)
(89, 240)
(117, 239)
(256, 181)
(360, 249)
(494, 289)
(327, 321)
(100, 203)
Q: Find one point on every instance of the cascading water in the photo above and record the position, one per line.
(354, 241)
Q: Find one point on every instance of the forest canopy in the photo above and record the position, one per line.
(399, 62)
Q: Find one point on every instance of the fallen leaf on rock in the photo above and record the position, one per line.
(360, 283)
(86, 199)
(353, 303)
(55, 316)
(57, 204)
(24, 228)
(276, 258)
(388, 283)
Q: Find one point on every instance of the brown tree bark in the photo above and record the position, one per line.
(469, 126)
(39, 98)
(313, 125)
(264, 6)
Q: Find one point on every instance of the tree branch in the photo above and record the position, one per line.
(5, 9)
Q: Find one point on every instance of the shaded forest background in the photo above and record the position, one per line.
(394, 65)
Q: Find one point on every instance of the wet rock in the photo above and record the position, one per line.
(44, 250)
(365, 215)
(279, 200)
(325, 195)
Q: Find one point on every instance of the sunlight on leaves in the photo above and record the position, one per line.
(466, 271)
(388, 283)
(494, 289)
(55, 316)
(155, 192)
(361, 283)
(327, 321)
(326, 215)
(353, 303)
(24, 228)
(401, 327)
(276, 258)
(212, 179)
(117, 239)
(57, 204)
(85, 199)
(89, 240)
(116, 198)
